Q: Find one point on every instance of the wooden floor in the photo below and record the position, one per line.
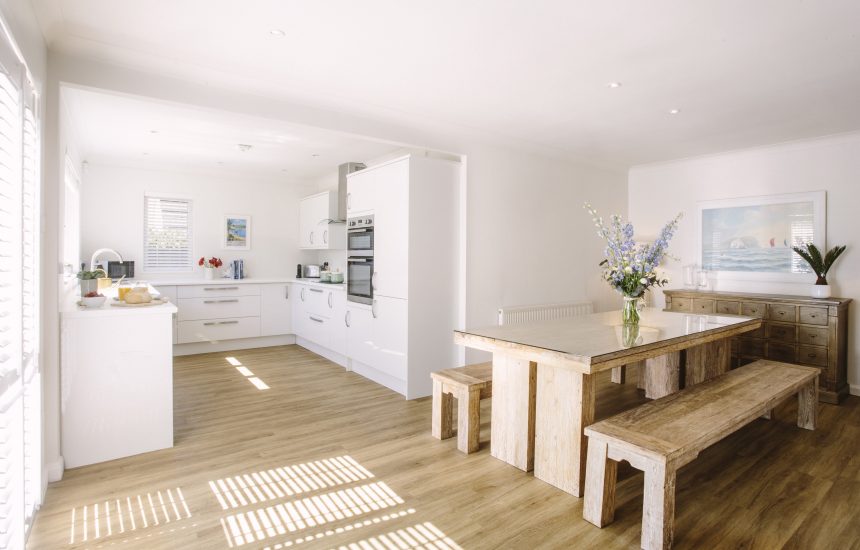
(325, 459)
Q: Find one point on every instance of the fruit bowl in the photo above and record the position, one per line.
(93, 301)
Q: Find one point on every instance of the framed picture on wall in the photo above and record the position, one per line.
(237, 232)
(751, 238)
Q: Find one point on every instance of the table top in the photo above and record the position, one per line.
(600, 341)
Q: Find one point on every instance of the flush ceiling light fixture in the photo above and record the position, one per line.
(315, 155)
(243, 147)
(674, 111)
(153, 131)
(613, 85)
(277, 33)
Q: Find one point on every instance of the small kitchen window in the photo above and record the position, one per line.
(167, 234)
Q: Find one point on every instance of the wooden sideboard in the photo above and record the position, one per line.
(807, 331)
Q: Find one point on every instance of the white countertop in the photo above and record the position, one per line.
(246, 281)
(71, 309)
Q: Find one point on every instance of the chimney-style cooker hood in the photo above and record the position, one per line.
(342, 171)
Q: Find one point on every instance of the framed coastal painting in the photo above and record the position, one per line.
(751, 237)
(237, 232)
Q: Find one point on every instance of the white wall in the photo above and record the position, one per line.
(831, 164)
(112, 216)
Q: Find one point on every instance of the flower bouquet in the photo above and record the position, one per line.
(209, 266)
(628, 267)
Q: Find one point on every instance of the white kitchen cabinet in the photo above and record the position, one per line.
(193, 309)
(170, 292)
(360, 196)
(359, 343)
(338, 326)
(314, 230)
(215, 330)
(276, 315)
(390, 335)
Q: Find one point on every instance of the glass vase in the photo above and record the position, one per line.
(630, 312)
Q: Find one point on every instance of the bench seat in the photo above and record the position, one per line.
(468, 385)
(661, 436)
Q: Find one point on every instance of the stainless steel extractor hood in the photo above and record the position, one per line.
(342, 171)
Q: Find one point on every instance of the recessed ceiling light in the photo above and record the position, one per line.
(153, 131)
(145, 154)
(243, 147)
(315, 155)
(614, 85)
(277, 33)
(674, 111)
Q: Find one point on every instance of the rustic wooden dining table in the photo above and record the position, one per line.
(544, 377)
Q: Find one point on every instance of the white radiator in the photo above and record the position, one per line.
(525, 314)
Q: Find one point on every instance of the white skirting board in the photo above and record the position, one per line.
(54, 470)
(854, 389)
(380, 377)
(332, 356)
(230, 345)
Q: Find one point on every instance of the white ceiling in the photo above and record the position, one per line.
(742, 73)
(120, 129)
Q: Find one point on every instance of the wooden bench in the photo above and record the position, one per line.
(661, 436)
(468, 385)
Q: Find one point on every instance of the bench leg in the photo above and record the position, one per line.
(807, 405)
(619, 374)
(600, 477)
(658, 507)
(469, 420)
(442, 415)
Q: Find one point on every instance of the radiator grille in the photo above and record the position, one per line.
(525, 314)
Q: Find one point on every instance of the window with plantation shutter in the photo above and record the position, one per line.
(167, 234)
(11, 374)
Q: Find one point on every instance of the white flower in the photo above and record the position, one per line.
(643, 281)
(628, 269)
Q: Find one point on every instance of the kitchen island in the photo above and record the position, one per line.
(116, 380)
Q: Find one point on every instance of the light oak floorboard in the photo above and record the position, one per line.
(769, 485)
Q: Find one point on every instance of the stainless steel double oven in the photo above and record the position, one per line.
(359, 276)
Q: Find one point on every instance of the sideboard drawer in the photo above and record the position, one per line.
(703, 306)
(782, 332)
(812, 335)
(218, 290)
(753, 348)
(812, 355)
(728, 308)
(682, 304)
(753, 309)
(218, 329)
(813, 315)
(780, 352)
(191, 309)
(782, 312)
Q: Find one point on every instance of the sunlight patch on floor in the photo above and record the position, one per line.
(125, 515)
(342, 529)
(287, 481)
(421, 535)
(263, 523)
(246, 372)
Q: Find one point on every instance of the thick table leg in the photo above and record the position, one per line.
(661, 375)
(807, 405)
(708, 361)
(565, 406)
(600, 477)
(469, 420)
(513, 412)
(440, 423)
(639, 367)
(619, 374)
(658, 507)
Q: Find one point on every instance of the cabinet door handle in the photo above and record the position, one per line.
(346, 319)
(373, 277)
(325, 236)
(316, 290)
(373, 309)
(329, 301)
(222, 288)
(349, 201)
(303, 294)
(287, 292)
(314, 319)
(311, 237)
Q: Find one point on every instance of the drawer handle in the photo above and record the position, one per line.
(781, 312)
(314, 319)
(220, 323)
(316, 290)
(812, 355)
(222, 288)
(220, 301)
(812, 316)
(812, 337)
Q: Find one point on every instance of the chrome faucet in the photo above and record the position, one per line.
(99, 251)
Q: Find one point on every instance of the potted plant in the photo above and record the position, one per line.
(90, 280)
(820, 265)
(209, 266)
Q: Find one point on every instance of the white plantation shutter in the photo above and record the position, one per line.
(167, 234)
(11, 375)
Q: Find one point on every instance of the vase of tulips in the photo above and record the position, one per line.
(209, 266)
(630, 267)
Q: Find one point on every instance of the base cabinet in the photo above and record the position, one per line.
(377, 336)
(276, 314)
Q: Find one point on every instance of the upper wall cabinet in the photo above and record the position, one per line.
(315, 231)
